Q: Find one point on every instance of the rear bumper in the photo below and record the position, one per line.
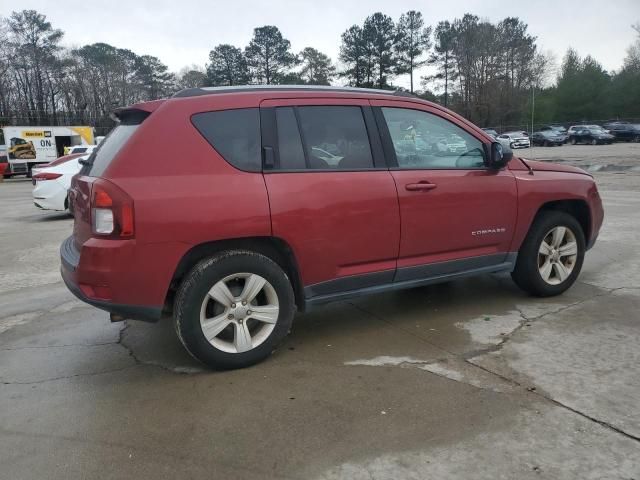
(50, 195)
(79, 283)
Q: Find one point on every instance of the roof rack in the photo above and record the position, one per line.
(195, 92)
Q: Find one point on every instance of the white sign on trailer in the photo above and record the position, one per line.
(29, 146)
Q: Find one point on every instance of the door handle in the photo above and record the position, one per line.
(420, 186)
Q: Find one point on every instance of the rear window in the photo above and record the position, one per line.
(109, 147)
(106, 151)
(234, 134)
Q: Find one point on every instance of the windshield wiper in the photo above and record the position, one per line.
(87, 162)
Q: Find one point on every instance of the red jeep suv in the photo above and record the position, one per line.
(234, 207)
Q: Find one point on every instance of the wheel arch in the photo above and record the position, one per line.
(273, 247)
(579, 209)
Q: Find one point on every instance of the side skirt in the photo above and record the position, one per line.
(409, 277)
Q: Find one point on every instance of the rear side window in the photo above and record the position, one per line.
(323, 138)
(234, 134)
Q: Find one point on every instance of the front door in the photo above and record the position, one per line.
(456, 214)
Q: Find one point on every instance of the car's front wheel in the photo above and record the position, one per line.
(551, 256)
(233, 309)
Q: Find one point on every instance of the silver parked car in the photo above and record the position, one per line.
(514, 140)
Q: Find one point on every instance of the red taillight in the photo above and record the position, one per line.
(46, 176)
(101, 198)
(111, 211)
(126, 229)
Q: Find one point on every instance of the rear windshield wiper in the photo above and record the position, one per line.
(87, 162)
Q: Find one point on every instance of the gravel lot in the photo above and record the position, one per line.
(470, 379)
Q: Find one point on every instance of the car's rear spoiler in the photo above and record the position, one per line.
(137, 112)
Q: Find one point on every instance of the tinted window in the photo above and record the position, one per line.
(289, 142)
(335, 137)
(423, 140)
(235, 134)
(109, 147)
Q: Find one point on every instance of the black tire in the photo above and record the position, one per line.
(572, 141)
(594, 141)
(526, 273)
(545, 144)
(196, 285)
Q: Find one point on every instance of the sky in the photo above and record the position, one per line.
(183, 32)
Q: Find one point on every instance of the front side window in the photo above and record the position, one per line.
(425, 141)
(323, 138)
(234, 134)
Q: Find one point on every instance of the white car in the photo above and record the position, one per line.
(52, 182)
(514, 140)
(88, 149)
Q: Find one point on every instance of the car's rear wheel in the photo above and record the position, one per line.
(546, 143)
(594, 141)
(572, 141)
(551, 256)
(233, 309)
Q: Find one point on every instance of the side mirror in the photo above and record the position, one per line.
(499, 156)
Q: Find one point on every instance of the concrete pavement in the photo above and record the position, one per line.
(470, 379)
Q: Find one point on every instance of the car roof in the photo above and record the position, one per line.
(258, 93)
(198, 91)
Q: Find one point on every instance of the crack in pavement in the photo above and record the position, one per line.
(137, 362)
(386, 322)
(441, 367)
(534, 391)
(65, 377)
(468, 357)
(528, 321)
(175, 370)
(65, 345)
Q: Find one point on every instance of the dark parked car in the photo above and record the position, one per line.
(555, 127)
(253, 224)
(593, 135)
(548, 138)
(624, 131)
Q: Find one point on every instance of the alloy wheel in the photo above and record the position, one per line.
(557, 255)
(239, 312)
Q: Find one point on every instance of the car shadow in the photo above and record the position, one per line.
(54, 217)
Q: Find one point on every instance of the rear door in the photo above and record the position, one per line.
(456, 214)
(332, 198)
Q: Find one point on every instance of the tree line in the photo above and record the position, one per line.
(488, 72)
